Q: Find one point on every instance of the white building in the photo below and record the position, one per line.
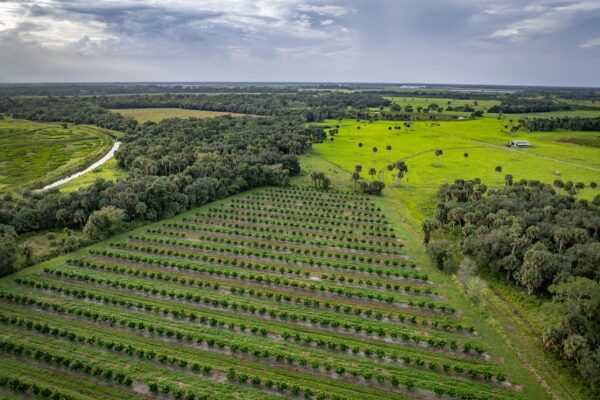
(519, 143)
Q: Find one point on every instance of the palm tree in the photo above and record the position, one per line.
(388, 147)
(402, 170)
(315, 176)
(466, 156)
(372, 172)
(358, 168)
(360, 145)
(428, 227)
(355, 178)
(498, 170)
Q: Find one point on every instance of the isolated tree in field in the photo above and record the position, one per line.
(372, 172)
(360, 145)
(402, 170)
(358, 168)
(438, 153)
(104, 223)
(580, 185)
(508, 180)
(499, 171)
(388, 147)
(8, 249)
(374, 149)
(593, 185)
(466, 156)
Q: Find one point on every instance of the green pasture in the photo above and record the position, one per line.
(34, 153)
(554, 155)
(157, 114)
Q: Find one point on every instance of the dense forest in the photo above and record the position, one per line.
(308, 106)
(568, 123)
(545, 241)
(79, 110)
(173, 166)
(517, 105)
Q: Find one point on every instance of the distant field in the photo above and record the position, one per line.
(554, 155)
(484, 105)
(156, 114)
(34, 154)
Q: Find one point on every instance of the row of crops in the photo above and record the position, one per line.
(277, 293)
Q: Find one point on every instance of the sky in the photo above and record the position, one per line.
(513, 42)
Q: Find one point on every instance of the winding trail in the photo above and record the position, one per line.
(95, 165)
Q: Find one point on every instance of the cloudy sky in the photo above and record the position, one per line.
(545, 42)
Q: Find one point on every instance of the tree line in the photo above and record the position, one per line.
(517, 105)
(568, 123)
(539, 239)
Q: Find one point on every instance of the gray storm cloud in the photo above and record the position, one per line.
(465, 41)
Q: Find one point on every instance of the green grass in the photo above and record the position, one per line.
(482, 139)
(512, 321)
(108, 171)
(34, 154)
(157, 114)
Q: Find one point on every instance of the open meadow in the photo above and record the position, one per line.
(471, 148)
(34, 153)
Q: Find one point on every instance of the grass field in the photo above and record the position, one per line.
(108, 171)
(35, 153)
(156, 114)
(553, 155)
(273, 293)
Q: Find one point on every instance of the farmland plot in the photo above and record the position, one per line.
(277, 293)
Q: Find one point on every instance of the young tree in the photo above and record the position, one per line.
(104, 223)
